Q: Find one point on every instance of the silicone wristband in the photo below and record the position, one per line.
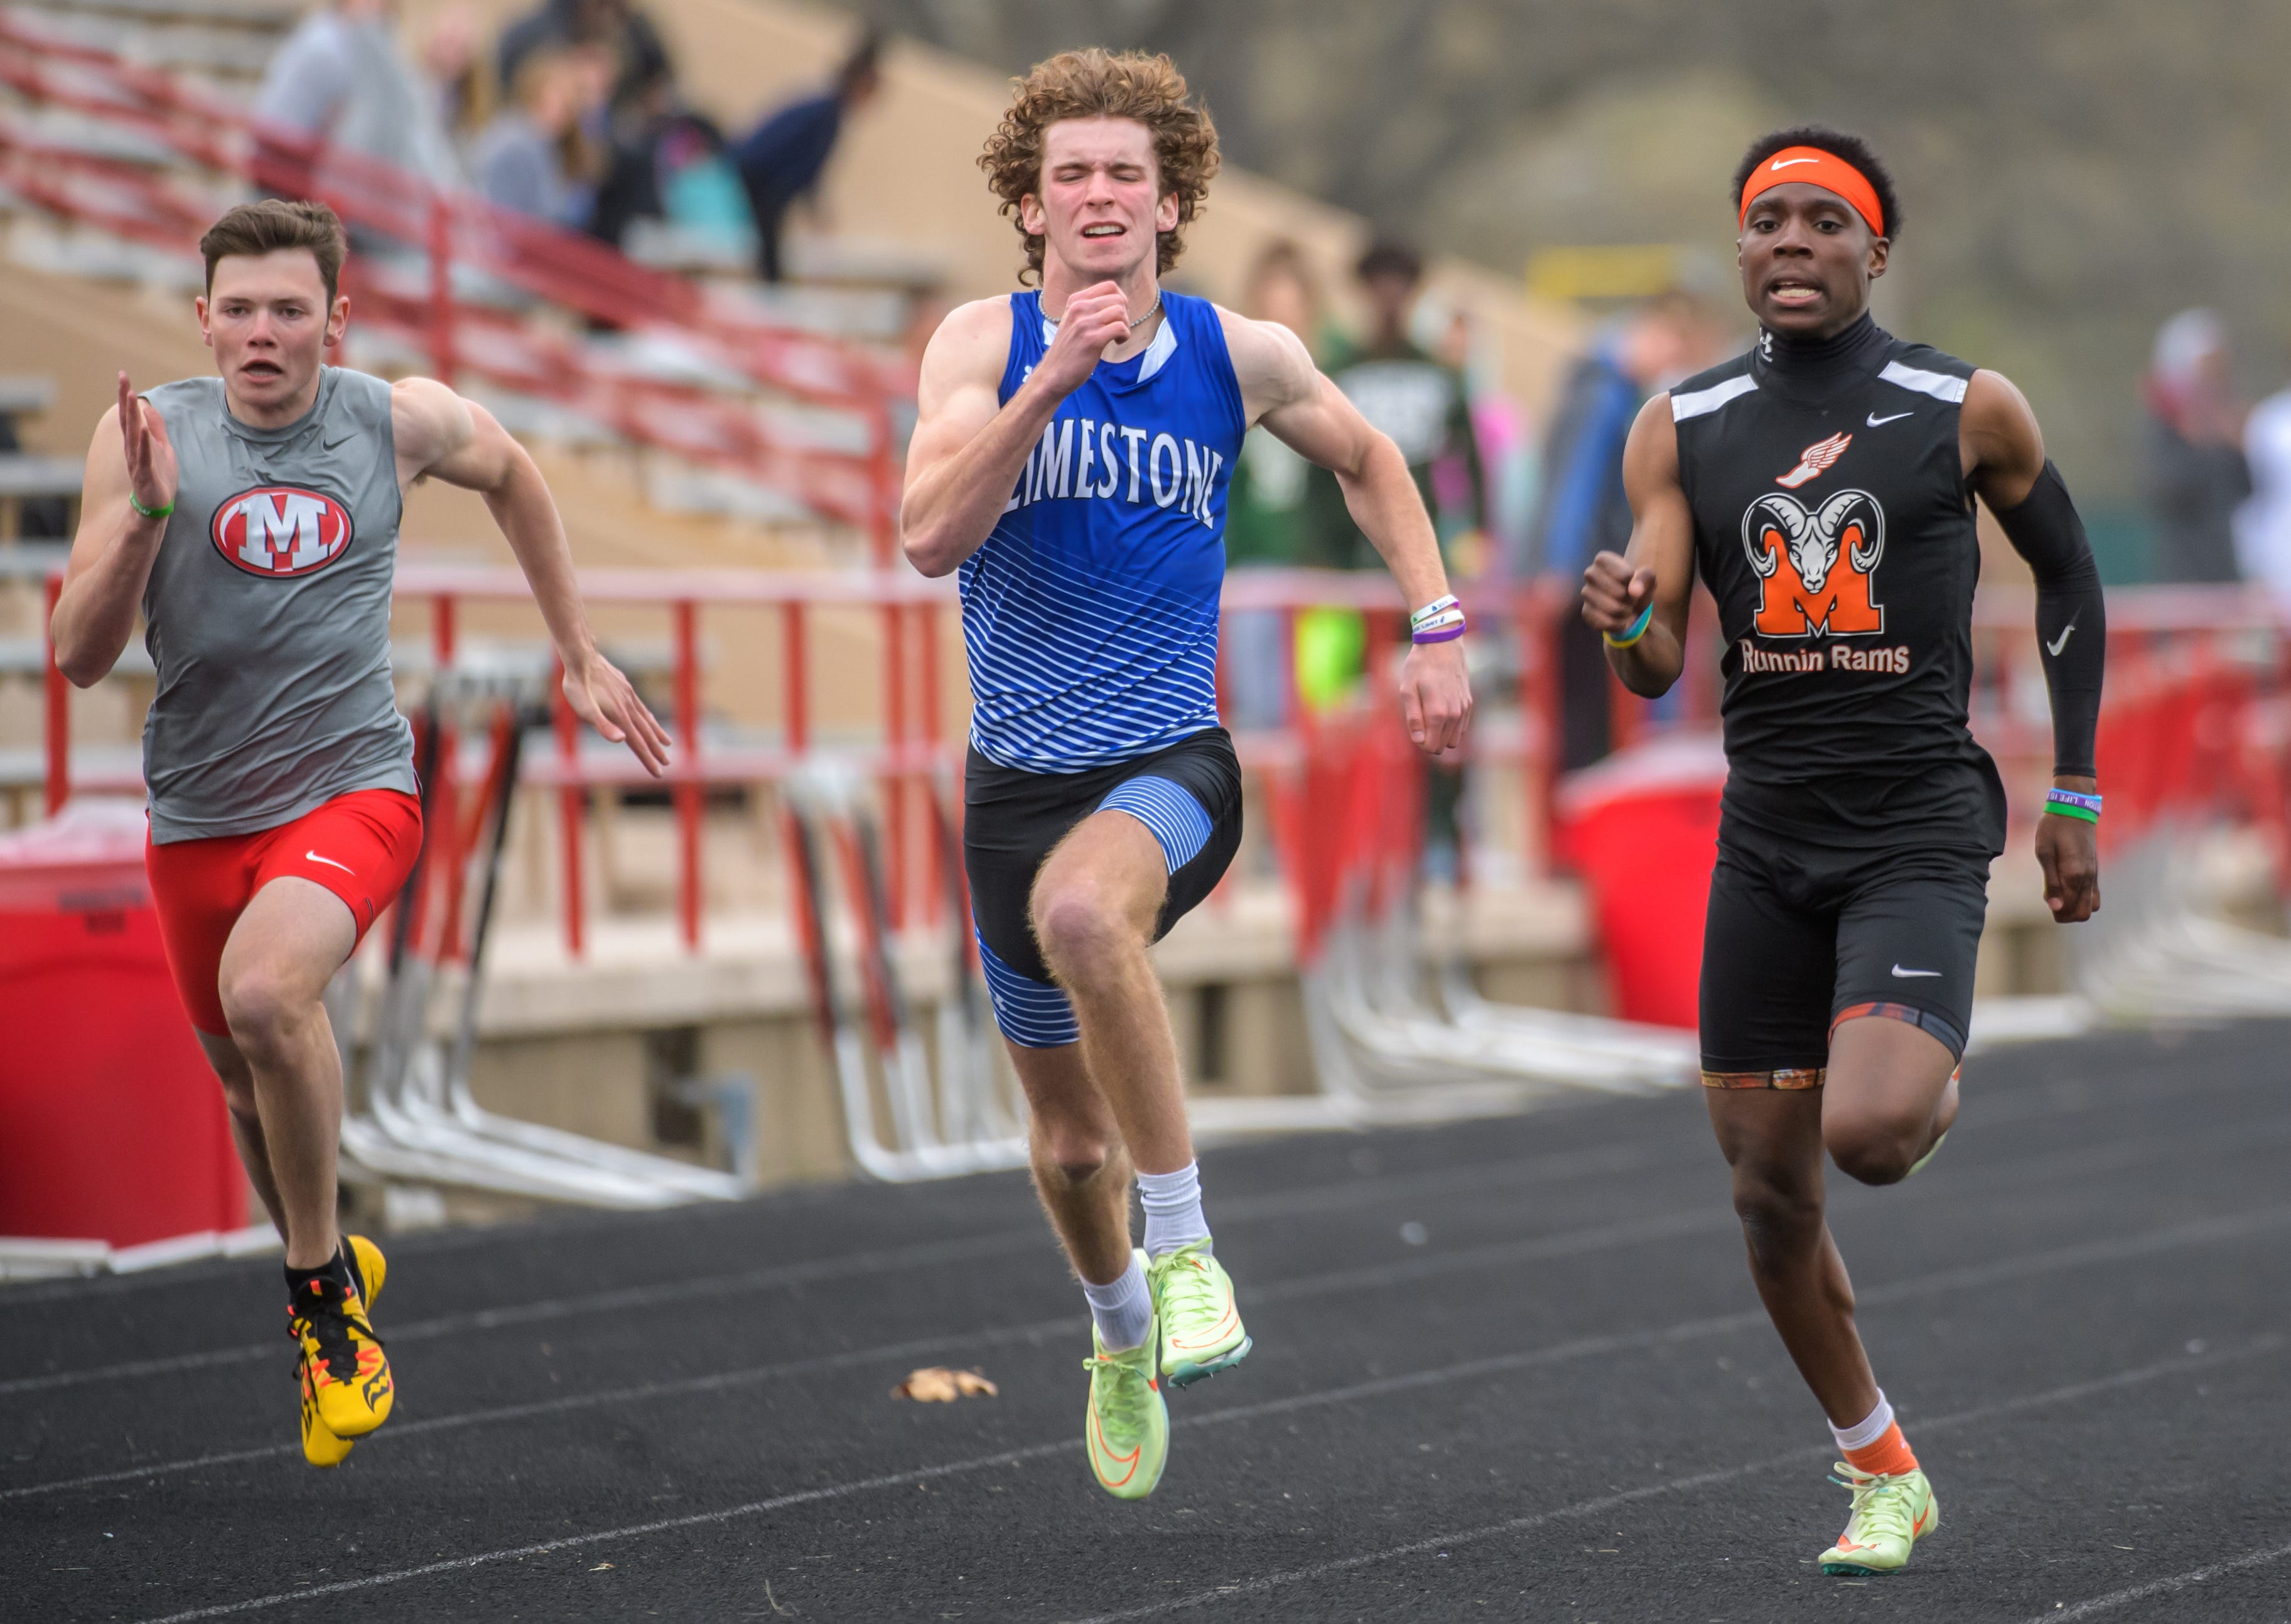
(1448, 635)
(1636, 629)
(2072, 797)
(148, 512)
(1437, 605)
(2061, 808)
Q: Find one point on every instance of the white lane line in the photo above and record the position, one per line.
(1549, 1167)
(2273, 1342)
(1568, 1243)
(1901, 1290)
(1552, 1167)
(1564, 1244)
(893, 1480)
(2162, 1586)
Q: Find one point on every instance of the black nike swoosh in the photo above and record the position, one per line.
(330, 444)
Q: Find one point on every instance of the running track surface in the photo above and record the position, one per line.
(1557, 1399)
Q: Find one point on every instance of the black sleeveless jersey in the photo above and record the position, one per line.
(1834, 526)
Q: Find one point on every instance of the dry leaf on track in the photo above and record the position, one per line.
(936, 1385)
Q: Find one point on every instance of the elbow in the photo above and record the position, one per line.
(80, 668)
(929, 549)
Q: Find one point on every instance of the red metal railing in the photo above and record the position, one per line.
(459, 232)
(2197, 720)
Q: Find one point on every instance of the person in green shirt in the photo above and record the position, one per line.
(1424, 404)
(1266, 509)
(1410, 394)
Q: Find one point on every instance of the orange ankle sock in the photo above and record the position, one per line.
(1890, 1455)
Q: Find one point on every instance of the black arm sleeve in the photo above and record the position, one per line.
(2072, 618)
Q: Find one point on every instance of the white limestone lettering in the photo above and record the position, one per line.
(1170, 471)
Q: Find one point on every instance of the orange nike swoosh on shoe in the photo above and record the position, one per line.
(1215, 1334)
(1115, 1483)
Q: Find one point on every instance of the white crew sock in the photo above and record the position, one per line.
(1867, 1431)
(1122, 1309)
(1173, 1208)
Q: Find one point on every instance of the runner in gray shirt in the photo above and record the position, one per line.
(253, 519)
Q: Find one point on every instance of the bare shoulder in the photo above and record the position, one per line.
(427, 421)
(1994, 401)
(1998, 436)
(1270, 362)
(1263, 350)
(1651, 450)
(970, 345)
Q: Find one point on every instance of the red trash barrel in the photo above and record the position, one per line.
(112, 1125)
(1641, 828)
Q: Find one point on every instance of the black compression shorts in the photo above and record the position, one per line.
(1801, 938)
(1188, 794)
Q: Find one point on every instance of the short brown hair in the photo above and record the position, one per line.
(1096, 84)
(275, 223)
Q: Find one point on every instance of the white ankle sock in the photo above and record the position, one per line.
(1869, 1429)
(1123, 1309)
(1173, 1208)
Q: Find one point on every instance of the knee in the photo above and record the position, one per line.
(1871, 1149)
(1081, 932)
(239, 1099)
(262, 1006)
(1077, 1155)
(1780, 1219)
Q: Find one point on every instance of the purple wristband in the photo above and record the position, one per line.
(1448, 636)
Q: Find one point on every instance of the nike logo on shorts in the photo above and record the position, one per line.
(352, 872)
(2054, 648)
(1905, 975)
(1875, 422)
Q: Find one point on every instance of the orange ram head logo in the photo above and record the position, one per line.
(1814, 566)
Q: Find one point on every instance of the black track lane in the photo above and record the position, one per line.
(1573, 1350)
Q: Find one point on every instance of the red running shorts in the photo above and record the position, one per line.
(360, 847)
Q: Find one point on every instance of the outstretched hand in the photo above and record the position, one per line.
(1436, 697)
(1095, 317)
(1614, 593)
(150, 457)
(601, 696)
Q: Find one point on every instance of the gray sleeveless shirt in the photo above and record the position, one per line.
(268, 613)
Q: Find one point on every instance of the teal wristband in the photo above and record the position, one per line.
(148, 512)
(1636, 631)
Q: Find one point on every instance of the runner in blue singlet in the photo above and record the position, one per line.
(1071, 459)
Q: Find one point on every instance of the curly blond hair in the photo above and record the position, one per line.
(1098, 83)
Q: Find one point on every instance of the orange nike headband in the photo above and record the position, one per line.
(1816, 167)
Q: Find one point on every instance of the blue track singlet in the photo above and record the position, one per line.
(1091, 614)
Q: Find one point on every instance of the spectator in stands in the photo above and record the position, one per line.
(668, 164)
(626, 34)
(2197, 476)
(2263, 525)
(1410, 394)
(1265, 505)
(342, 80)
(534, 156)
(1583, 511)
(461, 79)
(781, 159)
(1423, 403)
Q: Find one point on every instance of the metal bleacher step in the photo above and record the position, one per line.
(272, 16)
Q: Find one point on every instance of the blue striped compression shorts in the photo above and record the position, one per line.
(1187, 795)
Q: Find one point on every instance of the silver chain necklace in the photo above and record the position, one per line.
(1151, 311)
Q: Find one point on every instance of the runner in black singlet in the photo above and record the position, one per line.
(1822, 487)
